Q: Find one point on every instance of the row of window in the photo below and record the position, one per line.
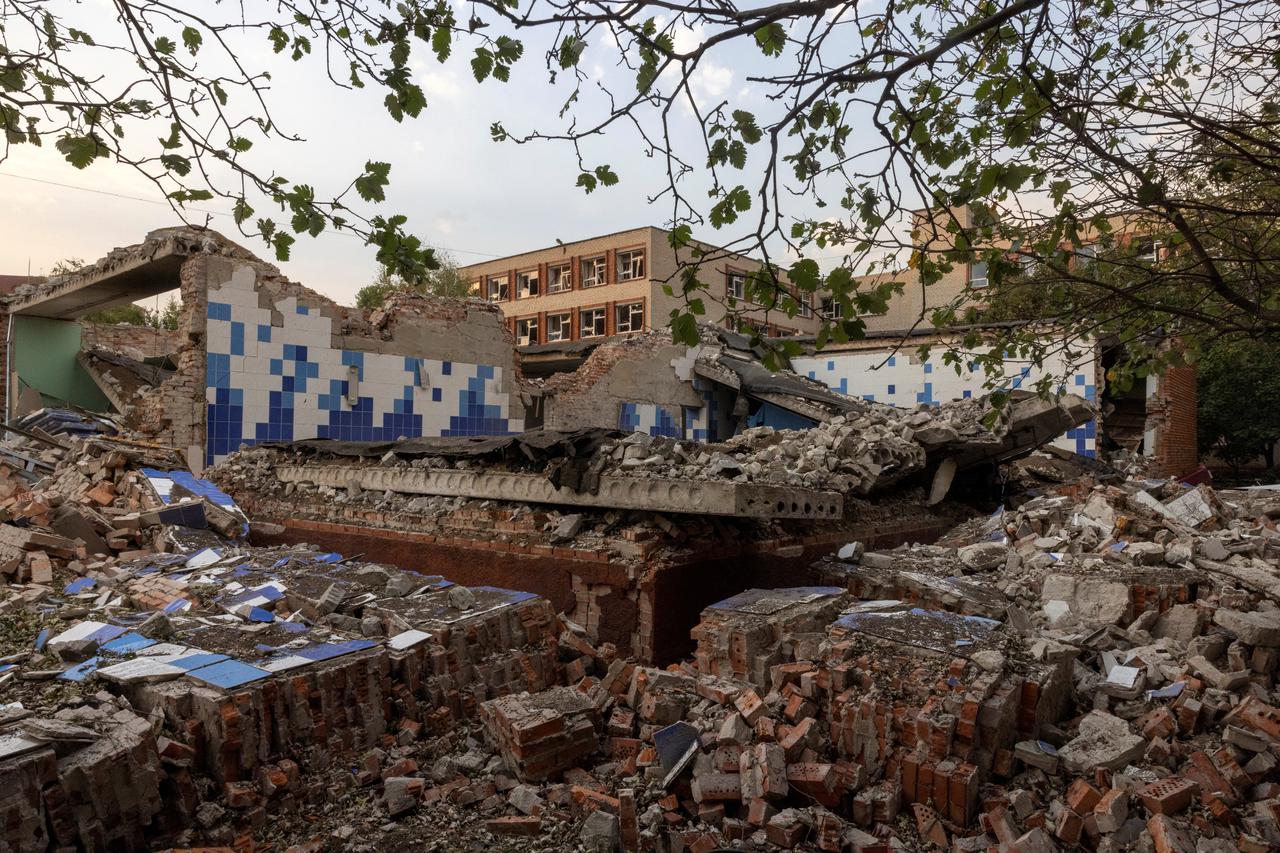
(592, 323)
(592, 272)
(736, 288)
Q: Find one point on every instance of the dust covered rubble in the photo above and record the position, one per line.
(1089, 672)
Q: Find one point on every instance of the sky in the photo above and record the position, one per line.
(462, 192)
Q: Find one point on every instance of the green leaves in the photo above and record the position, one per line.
(372, 183)
(442, 43)
(726, 210)
(601, 176)
(571, 51)
(192, 39)
(771, 39)
(81, 150)
(496, 62)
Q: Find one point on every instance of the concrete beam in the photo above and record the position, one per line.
(128, 278)
(694, 497)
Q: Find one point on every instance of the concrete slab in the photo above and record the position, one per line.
(699, 497)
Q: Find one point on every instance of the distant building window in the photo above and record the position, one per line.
(526, 284)
(496, 288)
(1087, 255)
(593, 271)
(558, 278)
(629, 317)
(591, 323)
(805, 301)
(736, 287)
(631, 265)
(1147, 249)
(978, 274)
(559, 327)
(527, 331)
(832, 309)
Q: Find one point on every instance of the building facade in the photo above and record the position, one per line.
(613, 285)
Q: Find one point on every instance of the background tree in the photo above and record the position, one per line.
(1060, 115)
(442, 281)
(1238, 402)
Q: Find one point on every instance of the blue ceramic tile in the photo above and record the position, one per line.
(198, 660)
(128, 644)
(228, 674)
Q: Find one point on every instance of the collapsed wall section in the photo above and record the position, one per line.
(635, 384)
(889, 373)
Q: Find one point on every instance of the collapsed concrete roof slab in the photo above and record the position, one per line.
(697, 497)
(125, 275)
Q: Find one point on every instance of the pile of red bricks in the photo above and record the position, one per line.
(542, 734)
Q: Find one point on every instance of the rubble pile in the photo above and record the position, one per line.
(1075, 673)
(160, 679)
(1092, 668)
(869, 448)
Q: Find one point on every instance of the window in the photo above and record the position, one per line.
(1147, 249)
(558, 279)
(736, 286)
(527, 331)
(591, 323)
(630, 265)
(1087, 255)
(496, 288)
(593, 270)
(978, 274)
(806, 304)
(473, 289)
(559, 327)
(831, 309)
(629, 317)
(526, 284)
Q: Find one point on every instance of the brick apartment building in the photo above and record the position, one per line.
(613, 285)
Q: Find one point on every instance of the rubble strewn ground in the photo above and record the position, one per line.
(1089, 667)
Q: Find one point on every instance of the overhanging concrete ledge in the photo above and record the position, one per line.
(696, 497)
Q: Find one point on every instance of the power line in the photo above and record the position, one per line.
(203, 210)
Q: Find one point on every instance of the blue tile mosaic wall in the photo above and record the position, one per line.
(284, 383)
(700, 423)
(908, 382)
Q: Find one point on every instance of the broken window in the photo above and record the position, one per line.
(496, 288)
(591, 323)
(631, 265)
(558, 278)
(806, 305)
(559, 327)
(832, 309)
(526, 284)
(736, 286)
(629, 317)
(978, 274)
(526, 331)
(593, 271)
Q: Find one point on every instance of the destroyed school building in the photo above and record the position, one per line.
(261, 360)
(646, 598)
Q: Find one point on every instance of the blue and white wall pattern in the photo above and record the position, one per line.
(902, 379)
(285, 383)
(699, 422)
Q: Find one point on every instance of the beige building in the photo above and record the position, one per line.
(613, 285)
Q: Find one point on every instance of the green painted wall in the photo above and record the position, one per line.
(44, 355)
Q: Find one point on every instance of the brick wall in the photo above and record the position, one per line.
(1172, 413)
(151, 343)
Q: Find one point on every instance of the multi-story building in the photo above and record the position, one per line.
(613, 285)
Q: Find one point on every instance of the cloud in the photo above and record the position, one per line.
(710, 79)
(442, 84)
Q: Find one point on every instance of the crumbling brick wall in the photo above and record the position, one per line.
(618, 379)
(129, 339)
(1171, 413)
